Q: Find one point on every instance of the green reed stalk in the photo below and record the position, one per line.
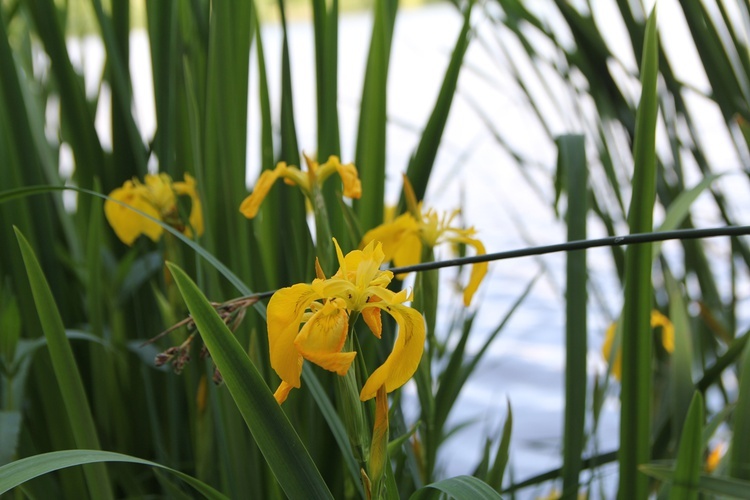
(635, 415)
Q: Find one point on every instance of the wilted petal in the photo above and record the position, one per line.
(126, 223)
(407, 352)
(284, 314)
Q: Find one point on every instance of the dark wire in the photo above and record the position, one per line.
(570, 246)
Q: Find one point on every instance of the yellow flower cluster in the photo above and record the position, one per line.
(314, 176)
(157, 197)
(312, 321)
(324, 308)
(404, 237)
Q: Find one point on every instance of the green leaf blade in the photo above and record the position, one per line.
(278, 441)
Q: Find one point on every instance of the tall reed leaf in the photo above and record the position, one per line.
(739, 464)
(420, 165)
(572, 165)
(635, 418)
(66, 371)
(371, 135)
(20, 471)
(275, 436)
(690, 455)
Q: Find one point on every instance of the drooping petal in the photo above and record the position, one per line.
(284, 314)
(126, 223)
(323, 336)
(350, 180)
(478, 270)
(407, 352)
(372, 318)
(348, 174)
(282, 392)
(251, 204)
(196, 212)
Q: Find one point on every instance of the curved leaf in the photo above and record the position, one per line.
(457, 487)
(275, 436)
(66, 371)
(20, 471)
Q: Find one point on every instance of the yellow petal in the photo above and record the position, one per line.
(251, 204)
(196, 212)
(667, 329)
(372, 318)
(160, 192)
(348, 174)
(400, 240)
(350, 179)
(284, 314)
(323, 336)
(282, 392)
(616, 368)
(403, 361)
(126, 223)
(478, 270)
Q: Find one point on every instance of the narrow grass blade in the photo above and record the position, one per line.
(66, 371)
(371, 134)
(458, 487)
(20, 471)
(497, 471)
(10, 430)
(334, 424)
(572, 166)
(635, 415)
(739, 463)
(420, 165)
(276, 438)
(75, 110)
(123, 121)
(710, 485)
(681, 376)
(690, 455)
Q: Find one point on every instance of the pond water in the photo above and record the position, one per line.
(525, 365)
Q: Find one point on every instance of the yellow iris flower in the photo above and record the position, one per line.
(324, 307)
(657, 320)
(404, 236)
(157, 197)
(315, 175)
